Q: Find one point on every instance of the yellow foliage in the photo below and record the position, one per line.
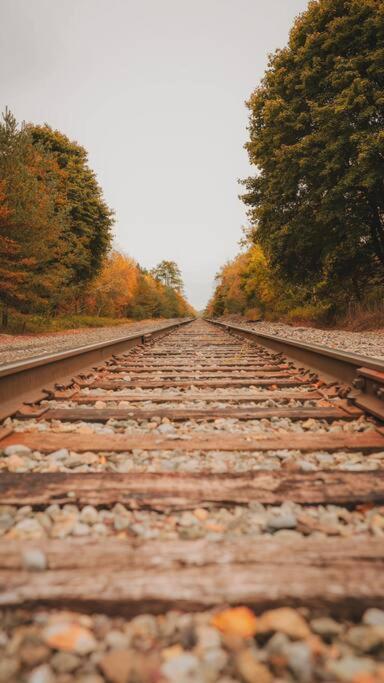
(113, 290)
(245, 284)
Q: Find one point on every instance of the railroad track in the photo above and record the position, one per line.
(196, 471)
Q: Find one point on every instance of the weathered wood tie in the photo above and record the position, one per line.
(185, 491)
(105, 414)
(347, 587)
(169, 384)
(191, 396)
(52, 441)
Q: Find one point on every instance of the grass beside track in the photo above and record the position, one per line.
(36, 324)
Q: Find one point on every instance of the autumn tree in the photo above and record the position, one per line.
(153, 299)
(114, 289)
(55, 232)
(12, 268)
(32, 221)
(88, 230)
(147, 299)
(229, 296)
(317, 139)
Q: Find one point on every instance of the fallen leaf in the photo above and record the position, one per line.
(238, 621)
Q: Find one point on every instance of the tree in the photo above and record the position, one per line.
(11, 266)
(88, 231)
(32, 248)
(168, 272)
(113, 290)
(316, 131)
(147, 300)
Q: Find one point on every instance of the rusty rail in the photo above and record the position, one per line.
(365, 375)
(23, 381)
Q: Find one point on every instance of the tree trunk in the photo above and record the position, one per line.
(377, 232)
(4, 316)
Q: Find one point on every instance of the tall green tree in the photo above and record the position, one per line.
(316, 130)
(88, 230)
(168, 272)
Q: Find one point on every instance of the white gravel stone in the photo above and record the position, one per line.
(34, 560)
(41, 674)
(17, 449)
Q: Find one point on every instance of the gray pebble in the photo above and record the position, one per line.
(34, 560)
(346, 668)
(165, 428)
(306, 466)
(374, 617)
(81, 529)
(65, 662)
(325, 626)
(42, 674)
(29, 527)
(299, 660)
(89, 515)
(6, 521)
(61, 454)
(17, 449)
(184, 667)
(284, 520)
(365, 638)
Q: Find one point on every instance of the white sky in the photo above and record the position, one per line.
(155, 90)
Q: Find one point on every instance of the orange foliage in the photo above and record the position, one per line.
(113, 290)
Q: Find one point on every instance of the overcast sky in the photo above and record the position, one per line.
(155, 90)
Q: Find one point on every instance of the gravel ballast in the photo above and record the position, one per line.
(227, 646)
(285, 522)
(368, 343)
(21, 347)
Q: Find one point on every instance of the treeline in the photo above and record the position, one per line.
(56, 234)
(124, 289)
(316, 138)
(250, 287)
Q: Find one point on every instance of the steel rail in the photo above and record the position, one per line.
(24, 381)
(364, 375)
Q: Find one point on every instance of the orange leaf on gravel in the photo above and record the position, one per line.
(238, 621)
